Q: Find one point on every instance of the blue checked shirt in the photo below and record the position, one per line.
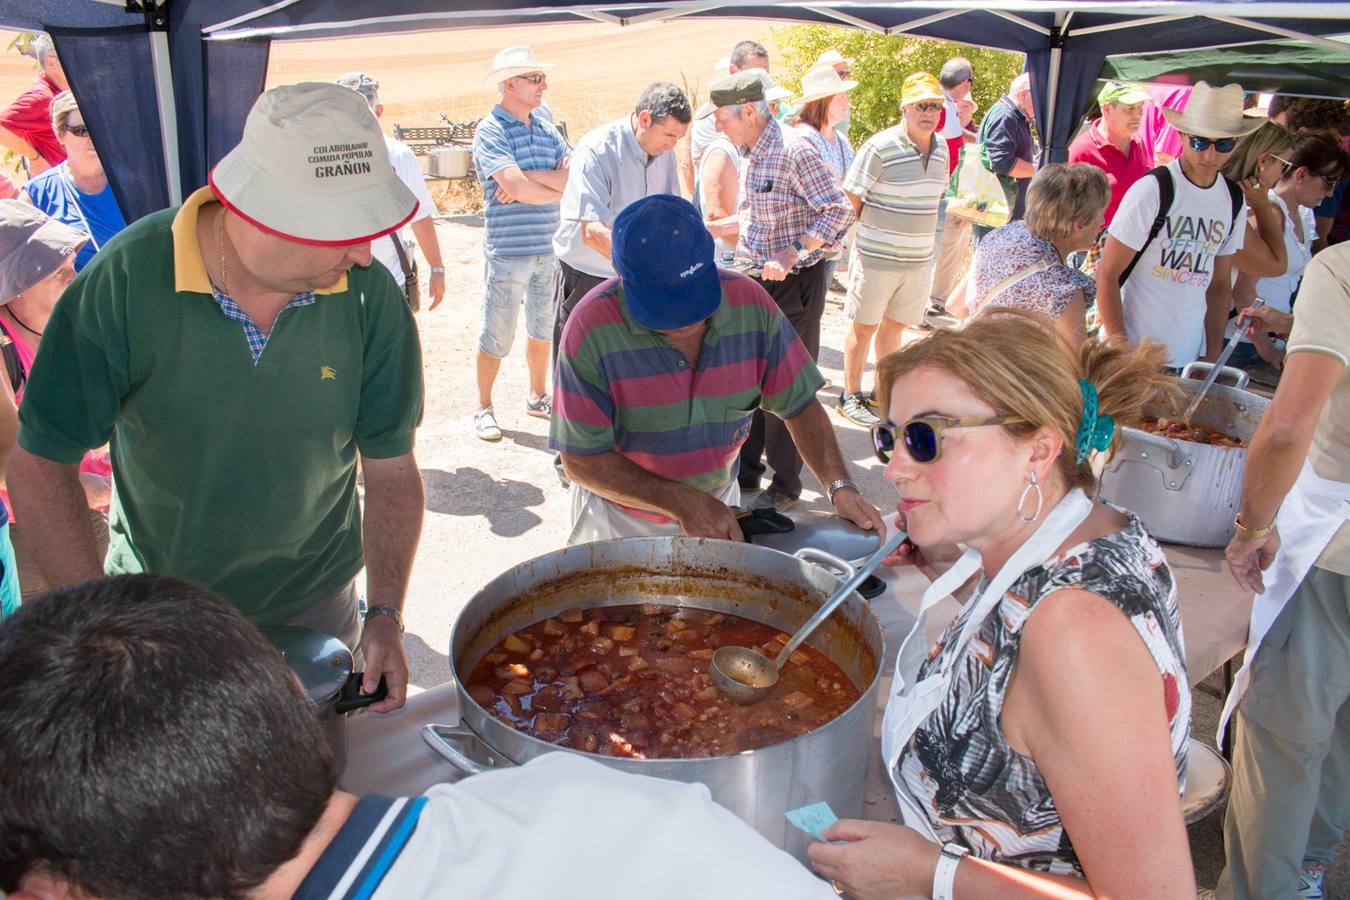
(501, 140)
(257, 341)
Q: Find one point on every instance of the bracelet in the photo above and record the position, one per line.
(944, 876)
(438, 270)
(1252, 533)
(390, 611)
(837, 486)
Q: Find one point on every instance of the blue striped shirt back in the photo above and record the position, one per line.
(501, 140)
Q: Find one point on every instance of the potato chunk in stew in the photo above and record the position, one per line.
(633, 681)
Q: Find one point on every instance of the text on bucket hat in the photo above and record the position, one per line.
(1121, 92)
(312, 167)
(822, 82)
(1213, 113)
(664, 257)
(32, 247)
(920, 87)
(742, 87)
(513, 61)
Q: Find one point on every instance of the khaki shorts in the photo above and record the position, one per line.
(900, 293)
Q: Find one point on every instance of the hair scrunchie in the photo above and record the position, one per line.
(1095, 430)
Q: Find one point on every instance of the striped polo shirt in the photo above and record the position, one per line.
(624, 388)
(364, 850)
(900, 197)
(501, 140)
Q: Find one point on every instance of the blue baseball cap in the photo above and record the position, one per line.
(664, 256)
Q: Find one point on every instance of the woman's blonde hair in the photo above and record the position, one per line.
(63, 104)
(1062, 196)
(1242, 162)
(1014, 361)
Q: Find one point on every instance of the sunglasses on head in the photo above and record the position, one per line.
(536, 78)
(78, 130)
(922, 436)
(1200, 144)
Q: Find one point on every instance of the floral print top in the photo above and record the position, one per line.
(1015, 268)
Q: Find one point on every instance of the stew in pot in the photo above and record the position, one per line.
(633, 681)
(1196, 433)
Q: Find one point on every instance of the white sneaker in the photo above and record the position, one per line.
(485, 425)
(1311, 882)
(540, 407)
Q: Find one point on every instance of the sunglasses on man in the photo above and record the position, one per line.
(1222, 145)
(928, 107)
(922, 436)
(533, 79)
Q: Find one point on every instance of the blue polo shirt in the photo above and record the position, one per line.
(502, 140)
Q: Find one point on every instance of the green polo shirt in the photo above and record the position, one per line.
(237, 476)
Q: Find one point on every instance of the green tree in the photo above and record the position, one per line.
(880, 65)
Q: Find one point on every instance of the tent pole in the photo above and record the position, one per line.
(1052, 89)
(663, 15)
(847, 19)
(168, 113)
(926, 20)
(1282, 32)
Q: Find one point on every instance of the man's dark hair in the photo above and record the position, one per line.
(954, 71)
(154, 744)
(746, 49)
(665, 101)
(1278, 104)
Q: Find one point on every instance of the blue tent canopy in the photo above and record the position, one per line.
(165, 84)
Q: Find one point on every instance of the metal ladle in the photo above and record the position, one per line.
(746, 676)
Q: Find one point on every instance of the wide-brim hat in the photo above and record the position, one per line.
(32, 246)
(822, 82)
(832, 57)
(772, 89)
(663, 255)
(312, 167)
(1213, 113)
(513, 61)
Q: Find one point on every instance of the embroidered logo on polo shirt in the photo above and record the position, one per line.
(327, 373)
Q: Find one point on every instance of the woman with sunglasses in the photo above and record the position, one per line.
(1256, 166)
(1309, 173)
(1039, 746)
(77, 192)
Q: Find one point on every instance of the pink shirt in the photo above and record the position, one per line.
(1163, 138)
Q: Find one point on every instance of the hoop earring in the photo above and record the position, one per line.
(1032, 485)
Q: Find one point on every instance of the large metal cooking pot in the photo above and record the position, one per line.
(1188, 493)
(323, 666)
(761, 785)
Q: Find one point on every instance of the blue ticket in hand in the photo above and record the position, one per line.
(813, 819)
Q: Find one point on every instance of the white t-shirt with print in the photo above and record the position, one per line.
(1164, 298)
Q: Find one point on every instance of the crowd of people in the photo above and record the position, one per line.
(247, 363)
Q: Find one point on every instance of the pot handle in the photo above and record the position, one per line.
(350, 698)
(1198, 370)
(1176, 465)
(827, 561)
(452, 742)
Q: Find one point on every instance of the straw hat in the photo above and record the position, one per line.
(312, 167)
(822, 82)
(1213, 113)
(832, 57)
(513, 61)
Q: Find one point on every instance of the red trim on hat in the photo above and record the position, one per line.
(267, 229)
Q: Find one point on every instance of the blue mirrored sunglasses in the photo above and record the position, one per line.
(1223, 145)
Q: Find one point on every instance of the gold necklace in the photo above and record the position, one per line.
(220, 240)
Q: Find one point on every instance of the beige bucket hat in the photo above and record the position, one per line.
(824, 81)
(1213, 113)
(512, 61)
(312, 167)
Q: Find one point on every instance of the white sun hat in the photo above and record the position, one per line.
(723, 67)
(1213, 113)
(772, 90)
(832, 57)
(822, 82)
(312, 167)
(518, 60)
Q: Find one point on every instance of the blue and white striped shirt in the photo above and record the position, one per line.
(364, 849)
(502, 140)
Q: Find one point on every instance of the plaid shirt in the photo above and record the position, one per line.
(257, 341)
(788, 192)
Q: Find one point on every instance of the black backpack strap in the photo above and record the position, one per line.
(13, 366)
(1166, 193)
(1235, 195)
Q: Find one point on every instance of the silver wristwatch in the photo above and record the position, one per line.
(800, 249)
(837, 486)
(390, 611)
(944, 876)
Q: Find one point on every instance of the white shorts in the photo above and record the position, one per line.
(901, 293)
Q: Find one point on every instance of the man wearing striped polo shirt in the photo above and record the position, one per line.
(659, 374)
(895, 184)
(522, 163)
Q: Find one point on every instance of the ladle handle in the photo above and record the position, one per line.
(887, 547)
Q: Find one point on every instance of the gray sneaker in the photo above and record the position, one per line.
(775, 499)
(540, 407)
(485, 425)
(853, 406)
